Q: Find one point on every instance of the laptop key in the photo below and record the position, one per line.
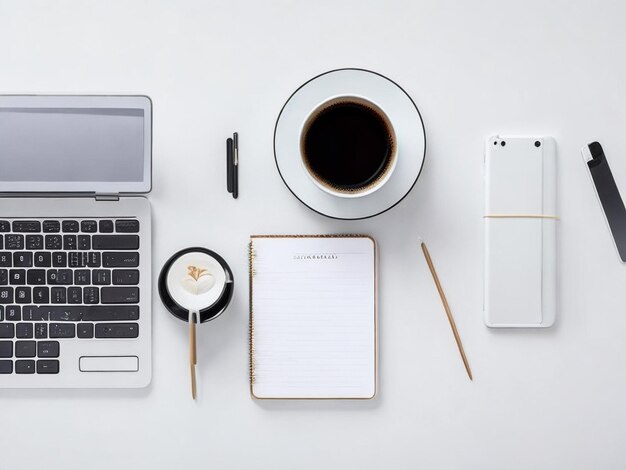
(106, 226)
(129, 277)
(84, 242)
(58, 295)
(59, 259)
(1, 313)
(43, 259)
(41, 295)
(70, 226)
(117, 330)
(111, 313)
(65, 276)
(25, 367)
(120, 295)
(5, 226)
(74, 295)
(101, 277)
(48, 367)
(25, 349)
(24, 330)
(6, 295)
(47, 349)
(85, 330)
(127, 226)
(88, 226)
(54, 242)
(36, 277)
(13, 313)
(92, 313)
(4, 277)
(17, 277)
(115, 242)
(34, 242)
(14, 242)
(69, 242)
(90, 295)
(82, 277)
(116, 259)
(7, 330)
(23, 295)
(6, 367)
(41, 330)
(52, 275)
(6, 348)
(62, 330)
(6, 259)
(23, 259)
(26, 226)
(51, 226)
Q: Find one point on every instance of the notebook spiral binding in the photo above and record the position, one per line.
(252, 272)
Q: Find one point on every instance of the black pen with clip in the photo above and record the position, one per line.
(235, 165)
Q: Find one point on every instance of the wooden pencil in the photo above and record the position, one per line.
(446, 307)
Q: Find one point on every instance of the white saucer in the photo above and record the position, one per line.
(403, 114)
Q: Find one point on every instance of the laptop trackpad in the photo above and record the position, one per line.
(108, 364)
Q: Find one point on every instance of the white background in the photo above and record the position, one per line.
(540, 399)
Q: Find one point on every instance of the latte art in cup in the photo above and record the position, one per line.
(196, 280)
(348, 146)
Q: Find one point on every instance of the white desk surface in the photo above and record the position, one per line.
(540, 399)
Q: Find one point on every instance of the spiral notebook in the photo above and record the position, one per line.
(313, 317)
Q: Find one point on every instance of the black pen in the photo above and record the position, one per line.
(229, 165)
(235, 165)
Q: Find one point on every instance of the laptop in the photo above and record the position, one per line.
(75, 241)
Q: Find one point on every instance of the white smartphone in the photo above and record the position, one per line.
(520, 232)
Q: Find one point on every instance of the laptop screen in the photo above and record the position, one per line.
(96, 146)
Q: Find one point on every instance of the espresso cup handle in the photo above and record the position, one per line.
(193, 356)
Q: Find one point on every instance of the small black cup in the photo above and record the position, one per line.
(209, 313)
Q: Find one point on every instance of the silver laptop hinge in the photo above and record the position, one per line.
(107, 197)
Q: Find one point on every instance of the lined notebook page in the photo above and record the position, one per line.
(313, 317)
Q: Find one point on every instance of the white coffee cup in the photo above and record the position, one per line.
(347, 137)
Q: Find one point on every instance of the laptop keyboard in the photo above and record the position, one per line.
(65, 280)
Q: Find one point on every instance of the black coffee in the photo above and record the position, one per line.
(348, 145)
